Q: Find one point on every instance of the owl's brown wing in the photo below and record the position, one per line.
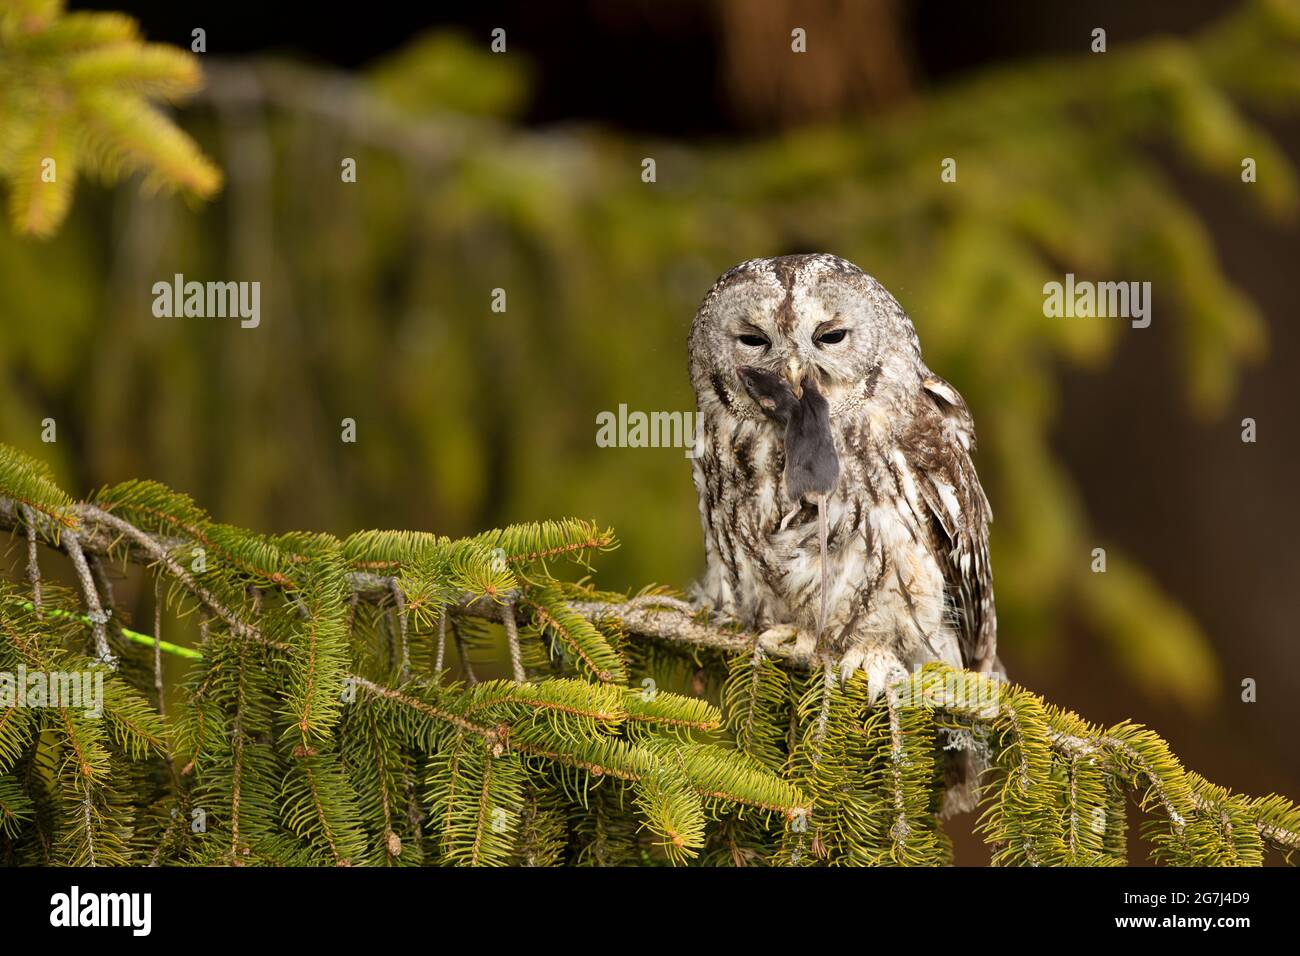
(938, 449)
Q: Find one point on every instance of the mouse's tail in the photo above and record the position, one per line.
(821, 540)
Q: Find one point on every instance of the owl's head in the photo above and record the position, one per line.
(808, 315)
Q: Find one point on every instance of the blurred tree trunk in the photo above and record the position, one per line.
(856, 61)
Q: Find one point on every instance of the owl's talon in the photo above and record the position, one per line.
(883, 668)
(777, 636)
(798, 506)
(805, 644)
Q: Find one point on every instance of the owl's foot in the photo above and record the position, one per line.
(787, 637)
(883, 667)
(798, 506)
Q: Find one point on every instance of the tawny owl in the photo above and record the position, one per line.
(907, 577)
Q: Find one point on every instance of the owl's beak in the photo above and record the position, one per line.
(793, 374)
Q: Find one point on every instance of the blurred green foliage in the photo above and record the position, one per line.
(376, 297)
(78, 93)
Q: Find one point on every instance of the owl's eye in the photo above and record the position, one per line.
(832, 338)
(754, 341)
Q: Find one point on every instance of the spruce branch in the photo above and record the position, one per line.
(158, 553)
(869, 772)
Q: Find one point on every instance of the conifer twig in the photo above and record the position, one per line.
(901, 829)
(160, 555)
(400, 602)
(95, 610)
(33, 565)
(512, 639)
(157, 651)
(470, 677)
